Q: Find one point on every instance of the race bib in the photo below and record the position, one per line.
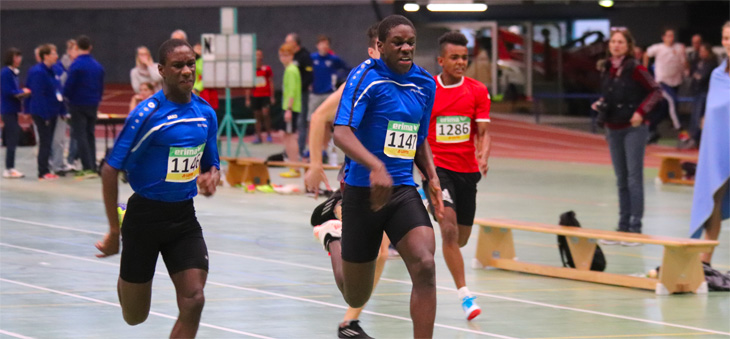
(260, 81)
(400, 140)
(183, 163)
(453, 129)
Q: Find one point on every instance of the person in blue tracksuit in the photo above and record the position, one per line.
(10, 95)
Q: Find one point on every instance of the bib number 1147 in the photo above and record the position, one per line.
(183, 163)
(401, 140)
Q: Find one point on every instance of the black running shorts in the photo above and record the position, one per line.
(459, 192)
(362, 228)
(151, 227)
(259, 103)
(288, 127)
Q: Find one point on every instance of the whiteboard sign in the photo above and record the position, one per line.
(229, 60)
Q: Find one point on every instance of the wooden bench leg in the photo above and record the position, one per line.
(234, 175)
(681, 271)
(494, 243)
(582, 250)
(670, 169)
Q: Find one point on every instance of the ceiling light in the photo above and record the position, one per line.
(411, 7)
(445, 7)
(605, 3)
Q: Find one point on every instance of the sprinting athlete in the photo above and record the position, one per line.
(460, 119)
(322, 119)
(381, 125)
(168, 143)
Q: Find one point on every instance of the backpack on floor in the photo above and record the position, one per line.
(599, 260)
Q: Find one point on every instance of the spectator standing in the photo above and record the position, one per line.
(60, 139)
(291, 104)
(84, 89)
(711, 201)
(628, 93)
(303, 60)
(10, 95)
(263, 98)
(45, 106)
(326, 66)
(700, 80)
(145, 71)
(669, 65)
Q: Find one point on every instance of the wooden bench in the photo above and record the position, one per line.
(670, 170)
(256, 170)
(681, 269)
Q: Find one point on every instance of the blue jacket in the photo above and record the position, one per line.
(9, 89)
(45, 92)
(85, 83)
(325, 72)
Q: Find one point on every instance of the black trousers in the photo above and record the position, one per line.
(45, 139)
(11, 135)
(83, 124)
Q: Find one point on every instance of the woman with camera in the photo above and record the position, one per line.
(628, 93)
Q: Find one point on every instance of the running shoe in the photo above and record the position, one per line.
(608, 242)
(12, 173)
(265, 188)
(48, 176)
(268, 139)
(121, 211)
(328, 231)
(291, 173)
(471, 309)
(630, 244)
(86, 174)
(351, 329)
(256, 141)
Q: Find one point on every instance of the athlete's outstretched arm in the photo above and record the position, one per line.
(321, 118)
(484, 146)
(381, 184)
(110, 188)
(424, 162)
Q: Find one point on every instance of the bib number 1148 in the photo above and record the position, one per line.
(401, 140)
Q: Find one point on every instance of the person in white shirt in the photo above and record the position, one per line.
(670, 60)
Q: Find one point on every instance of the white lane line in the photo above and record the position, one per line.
(98, 261)
(524, 301)
(104, 302)
(8, 333)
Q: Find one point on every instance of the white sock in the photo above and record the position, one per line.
(464, 292)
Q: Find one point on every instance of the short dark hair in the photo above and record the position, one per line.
(454, 38)
(373, 35)
(83, 42)
(45, 49)
(296, 38)
(666, 29)
(392, 21)
(169, 46)
(323, 37)
(9, 56)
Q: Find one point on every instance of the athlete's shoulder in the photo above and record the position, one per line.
(424, 78)
(363, 72)
(475, 84)
(202, 105)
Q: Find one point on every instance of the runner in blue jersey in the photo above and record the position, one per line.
(168, 143)
(381, 125)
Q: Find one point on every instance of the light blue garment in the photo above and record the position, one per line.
(713, 167)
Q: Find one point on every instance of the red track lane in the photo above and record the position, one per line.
(510, 138)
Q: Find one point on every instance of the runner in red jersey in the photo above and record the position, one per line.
(459, 138)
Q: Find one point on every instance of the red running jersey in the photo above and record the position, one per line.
(453, 128)
(262, 84)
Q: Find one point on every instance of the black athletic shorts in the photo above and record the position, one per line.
(459, 192)
(362, 228)
(151, 227)
(288, 127)
(258, 103)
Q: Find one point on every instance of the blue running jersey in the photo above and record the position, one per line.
(390, 113)
(164, 146)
